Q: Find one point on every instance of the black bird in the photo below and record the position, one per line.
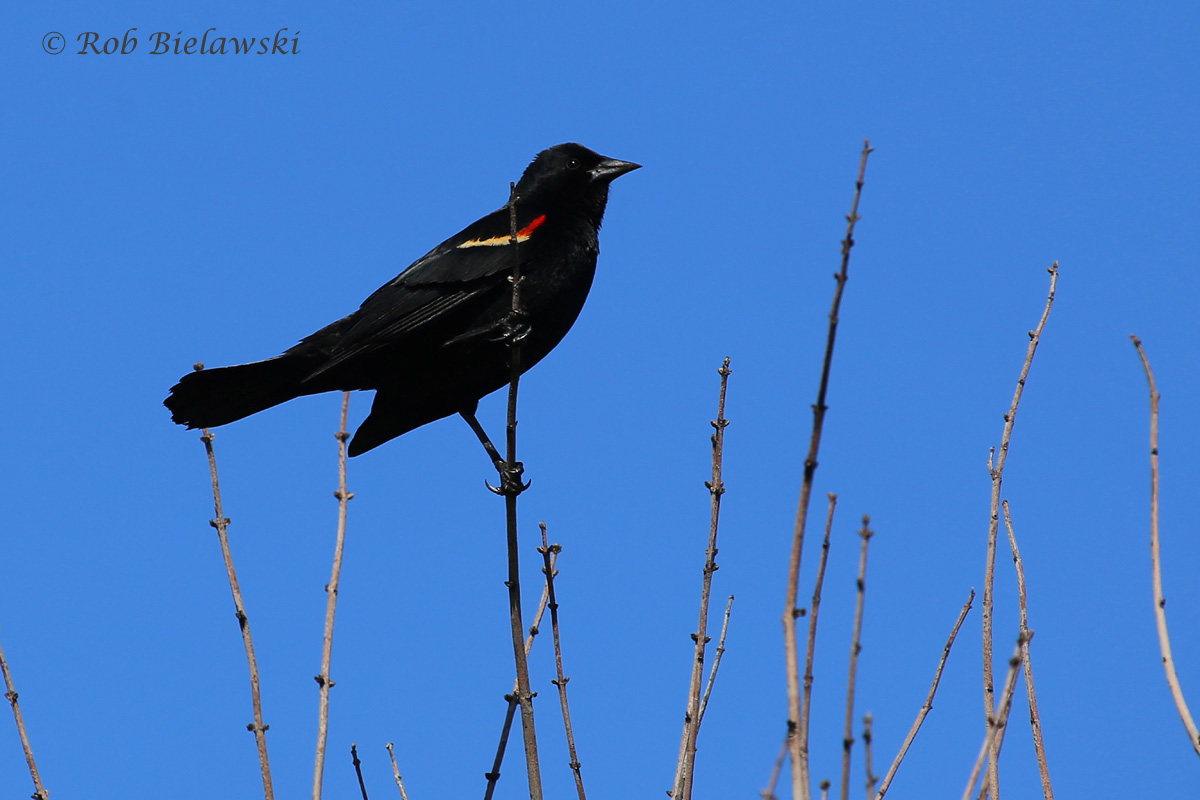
(434, 340)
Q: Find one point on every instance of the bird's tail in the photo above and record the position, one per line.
(212, 397)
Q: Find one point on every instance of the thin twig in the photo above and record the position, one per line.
(10, 693)
(391, 748)
(996, 733)
(855, 648)
(1010, 685)
(686, 766)
(1160, 602)
(868, 738)
(810, 649)
(768, 793)
(800, 780)
(712, 675)
(548, 550)
(494, 775)
(362, 787)
(221, 524)
(324, 681)
(825, 790)
(996, 470)
(1035, 719)
(925, 709)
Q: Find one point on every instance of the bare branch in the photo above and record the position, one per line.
(805, 716)
(801, 790)
(768, 793)
(686, 766)
(362, 787)
(391, 748)
(925, 709)
(712, 675)
(324, 681)
(868, 738)
(1035, 719)
(10, 693)
(996, 470)
(855, 648)
(1160, 602)
(995, 734)
(221, 524)
(494, 775)
(548, 550)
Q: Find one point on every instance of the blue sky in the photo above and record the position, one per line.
(163, 209)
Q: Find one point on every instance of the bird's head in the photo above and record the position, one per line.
(571, 173)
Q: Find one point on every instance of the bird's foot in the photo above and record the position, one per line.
(510, 479)
(513, 329)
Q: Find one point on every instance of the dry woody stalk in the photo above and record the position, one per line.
(801, 789)
(768, 792)
(995, 733)
(925, 709)
(1160, 601)
(10, 694)
(324, 682)
(391, 748)
(362, 786)
(855, 648)
(868, 737)
(221, 524)
(1035, 719)
(996, 461)
(494, 775)
(686, 765)
(814, 614)
(548, 550)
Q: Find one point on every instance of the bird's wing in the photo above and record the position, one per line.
(479, 250)
(444, 289)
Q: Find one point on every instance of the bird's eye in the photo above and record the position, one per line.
(573, 163)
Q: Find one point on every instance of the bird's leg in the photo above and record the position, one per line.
(510, 479)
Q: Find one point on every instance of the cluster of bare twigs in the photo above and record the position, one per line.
(799, 695)
(795, 747)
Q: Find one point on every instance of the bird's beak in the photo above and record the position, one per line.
(610, 169)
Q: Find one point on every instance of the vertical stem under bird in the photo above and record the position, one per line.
(510, 488)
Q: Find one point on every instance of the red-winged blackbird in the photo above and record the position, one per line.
(435, 338)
